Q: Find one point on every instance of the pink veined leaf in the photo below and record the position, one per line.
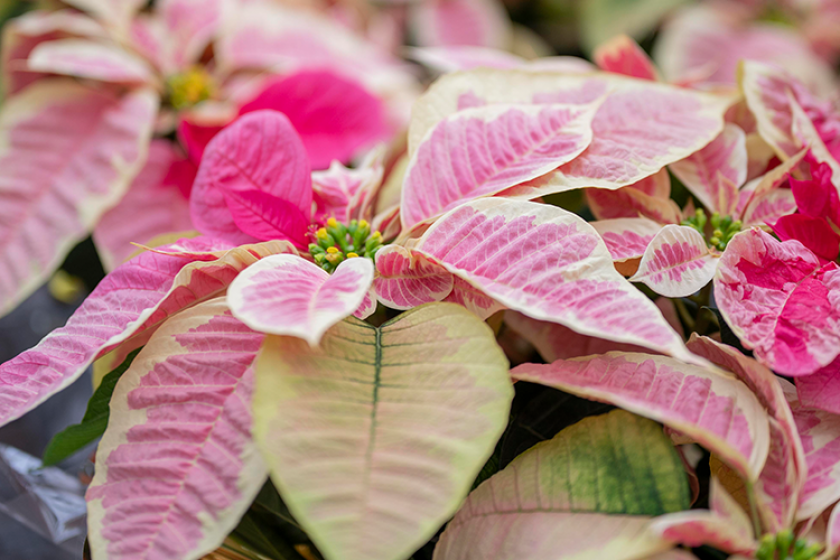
(189, 26)
(780, 301)
(464, 57)
(406, 279)
(177, 466)
(68, 153)
(815, 233)
(714, 173)
(368, 306)
(154, 205)
(136, 297)
(22, 34)
(443, 23)
(482, 151)
(821, 389)
(676, 263)
(641, 127)
(262, 152)
(725, 526)
(704, 403)
(623, 55)
(336, 117)
(262, 297)
(83, 58)
(769, 207)
(265, 216)
(550, 265)
(555, 342)
(785, 472)
(817, 197)
(770, 181)
(819, 432)
(627, 238)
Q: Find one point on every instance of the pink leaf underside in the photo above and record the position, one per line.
(136, 297)
(650, 198)
(258, 152)
(463, 57)
(177, 467)
(479, 23)
(819, 432)
(555, 342)
(780, 301)
(482, 151)
(714, 173)
(336, 117)
(288, 295)
(22, 34)
(83, 58)
(705, 45)
(725, 526)
(676, 263)
(705, 403)
(67, 153)
(345, 194)
(550, 265)
(641, 126)
(265, 216)
(627, 238)
(815, 233)
(154, 205)
(622, 55)
(406, 279)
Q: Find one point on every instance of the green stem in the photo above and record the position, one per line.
(684, 314)
(754, 510)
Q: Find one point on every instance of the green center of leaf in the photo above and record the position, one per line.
(723, 228)
(337, 242)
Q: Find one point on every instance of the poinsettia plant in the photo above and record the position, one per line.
(440, 356)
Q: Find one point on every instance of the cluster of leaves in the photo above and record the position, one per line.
(419, 356)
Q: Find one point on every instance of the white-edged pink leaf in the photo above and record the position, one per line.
(676, 263)
(154, 205)
(22, 34)
(343, 193)
(288, 295)
(550, 502)
(406, 279)
(548, 264)
(67, 154)
(780, 301)
(83, 58)
(368, 305)
(704, 403)
(714, 173)
(627, 238)
(819, 432)
(480, 23)
(641, 127)
(482, 151)
(133, 299)
(623, 55)
(177, 466)
(555, 342)
(724, 526)
(374, 438)
(768, 182)
(112, 12)
(260, 152)
(768, 208)
(649, 198)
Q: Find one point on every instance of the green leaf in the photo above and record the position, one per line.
(588, 493)
(375, 436)
(94, 422)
